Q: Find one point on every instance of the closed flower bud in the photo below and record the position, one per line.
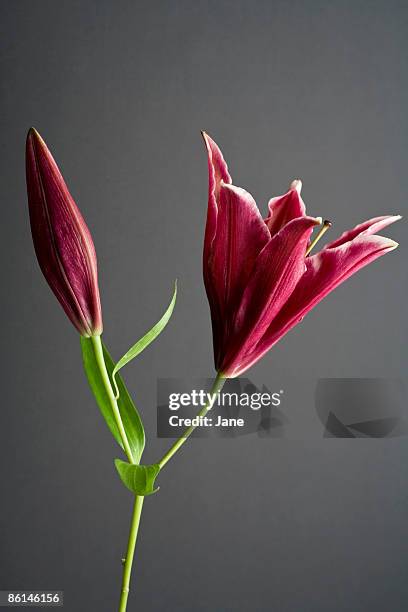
(62, 241)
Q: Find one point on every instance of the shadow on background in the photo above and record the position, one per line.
(361, 407)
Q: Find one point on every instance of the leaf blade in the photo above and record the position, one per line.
(144, 342)
(138, 478)
(131, 419)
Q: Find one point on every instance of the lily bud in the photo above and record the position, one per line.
(62, 241)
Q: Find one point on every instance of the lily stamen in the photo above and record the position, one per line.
(326, 225)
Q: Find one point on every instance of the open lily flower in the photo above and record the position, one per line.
(259, 277)
(62, 241)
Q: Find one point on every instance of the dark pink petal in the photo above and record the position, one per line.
(285, 208)
(276, 272)
(62, 241)
(372, 226)
(324, 272)
(217, 172)
(240, 236)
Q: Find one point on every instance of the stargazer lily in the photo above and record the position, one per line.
(62, 241)
(259, 277)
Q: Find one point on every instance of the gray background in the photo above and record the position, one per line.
(120, 91)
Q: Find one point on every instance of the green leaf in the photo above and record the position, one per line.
(131, 420)
(144, 342)
(138, 478)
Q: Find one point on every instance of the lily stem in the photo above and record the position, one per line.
(127, 570)
(216, 388)
(100, 359)
(137, 510)
(134, 527)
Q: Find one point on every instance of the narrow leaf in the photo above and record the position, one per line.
(131, 420)
(138, 478)
(144, 342)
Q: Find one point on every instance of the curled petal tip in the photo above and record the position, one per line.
(297, 185)
(367, 228)
(206, 139)
(388, 219)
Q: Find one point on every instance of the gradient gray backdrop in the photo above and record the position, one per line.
(120, 91)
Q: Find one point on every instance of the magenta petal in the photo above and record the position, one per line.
(372, 226)
(217, 172)
(62, 241)
(240, 236)
(283, 209)
(324, 272)
(276, 272)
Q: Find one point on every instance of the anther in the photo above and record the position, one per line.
(326, 225)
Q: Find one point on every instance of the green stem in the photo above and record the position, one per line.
(134, 528)
(97, 344)
(217, 386)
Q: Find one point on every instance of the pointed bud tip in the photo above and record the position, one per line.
(32, 133)
(34, 137)
(30, 136)
(297, 185)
